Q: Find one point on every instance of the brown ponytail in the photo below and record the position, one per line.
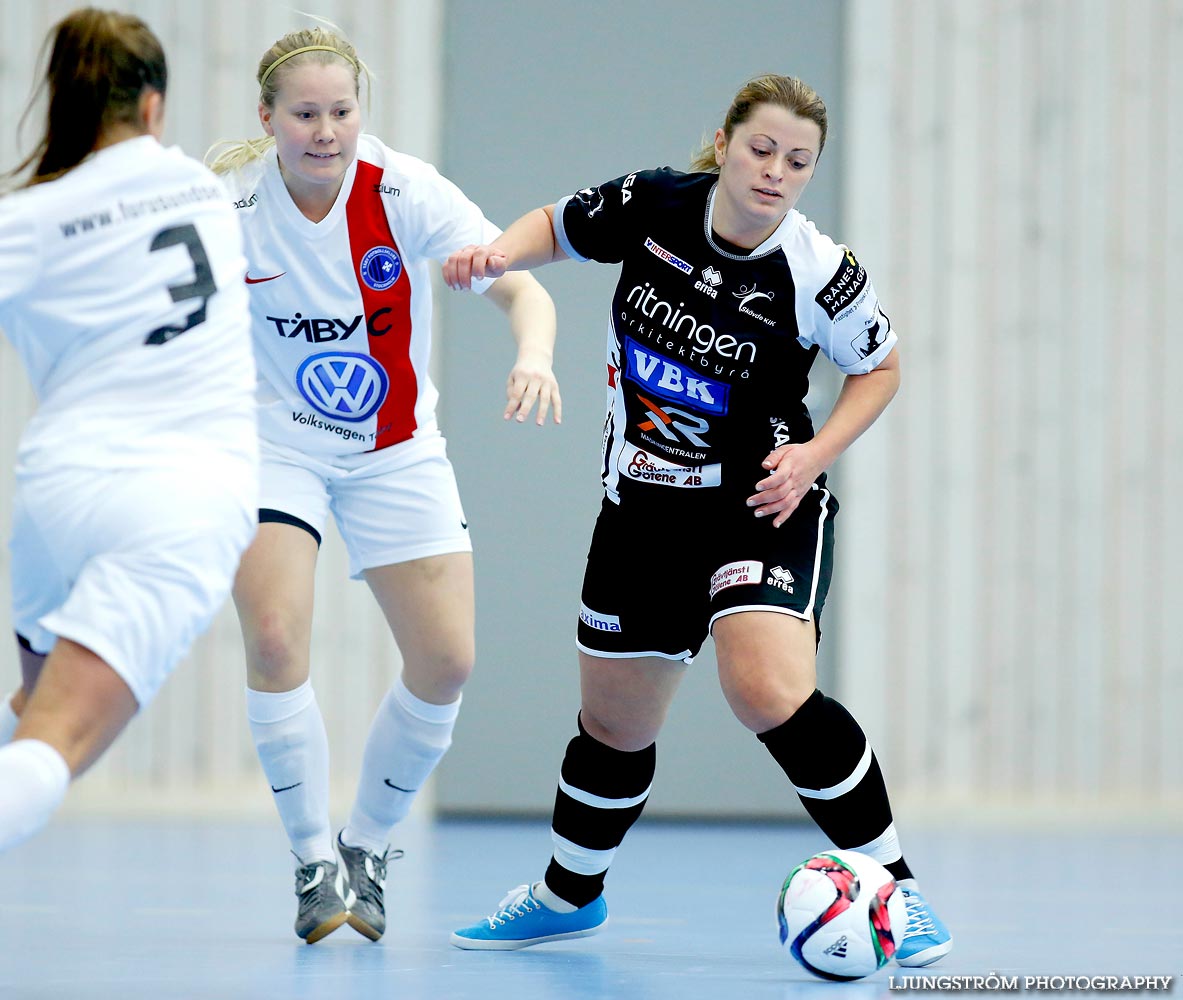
(100, 63)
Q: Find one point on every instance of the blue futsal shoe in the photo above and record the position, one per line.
(521, 921)
(926, 939)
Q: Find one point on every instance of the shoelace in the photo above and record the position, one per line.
(919, 917)
(517, 903)
(379, 863)
(306, 877)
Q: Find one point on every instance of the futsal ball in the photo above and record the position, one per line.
(841, 915)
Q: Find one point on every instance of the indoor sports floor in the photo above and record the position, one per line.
(102, 908)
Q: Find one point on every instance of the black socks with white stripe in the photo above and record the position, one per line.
(827, 757)
(601, 793)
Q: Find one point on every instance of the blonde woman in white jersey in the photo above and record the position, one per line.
(342, 234)
(137, 478)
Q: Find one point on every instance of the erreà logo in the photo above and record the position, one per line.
(343, 386)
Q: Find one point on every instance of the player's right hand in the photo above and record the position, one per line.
(474, 262)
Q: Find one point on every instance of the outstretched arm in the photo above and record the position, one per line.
(528, 243)
(794, 467)
(531, 314)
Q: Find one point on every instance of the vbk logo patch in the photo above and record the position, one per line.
(380, 268)
(343, 386)
(670, 380)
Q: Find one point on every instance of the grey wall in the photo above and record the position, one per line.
(543, 98)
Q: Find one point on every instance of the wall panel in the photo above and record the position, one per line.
(1031, 172)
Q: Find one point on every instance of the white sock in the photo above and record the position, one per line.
(407, 739)
(885, 848)
(293, 748)
(33, 781)
(548, 899)
(8, 720)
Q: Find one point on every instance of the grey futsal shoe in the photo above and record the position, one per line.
(365, 884)
(321, 909)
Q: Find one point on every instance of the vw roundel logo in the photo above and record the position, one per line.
(380, 268)
(343, 386)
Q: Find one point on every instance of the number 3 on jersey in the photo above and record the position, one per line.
(201, 287)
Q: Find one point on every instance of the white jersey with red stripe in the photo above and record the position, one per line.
(341, 308)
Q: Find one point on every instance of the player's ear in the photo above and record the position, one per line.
(720, 146)
(265, 118)
(150, 111)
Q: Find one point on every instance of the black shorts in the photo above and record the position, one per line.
(657, 580)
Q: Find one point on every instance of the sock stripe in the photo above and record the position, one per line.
(885, 848)
(599, 801)
(580, 860)
(840, 789)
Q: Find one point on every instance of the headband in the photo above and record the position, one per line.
(306, 48)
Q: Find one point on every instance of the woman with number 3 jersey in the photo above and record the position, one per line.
(342, 233)
(137, 478)
(726, 296)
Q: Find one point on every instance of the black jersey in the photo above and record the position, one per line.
(709, 350)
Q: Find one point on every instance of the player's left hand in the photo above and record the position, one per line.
(793, 469)
(532, 381)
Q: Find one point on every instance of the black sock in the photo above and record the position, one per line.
(601, 794)
(825, 754)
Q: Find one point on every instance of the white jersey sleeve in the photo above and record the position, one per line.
(437, 217)
(837, 308)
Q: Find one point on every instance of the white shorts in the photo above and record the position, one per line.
(132, 564)
(391, 506)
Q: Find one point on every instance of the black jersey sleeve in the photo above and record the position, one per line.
(596, 222)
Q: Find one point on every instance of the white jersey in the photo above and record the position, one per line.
(341, 308)
(121, 290)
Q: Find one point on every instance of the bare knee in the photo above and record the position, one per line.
(619, 734)
(276, 652)
(767, 666)
(437, 675)
(763, 702)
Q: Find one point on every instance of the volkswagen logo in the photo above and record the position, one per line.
(343, 386)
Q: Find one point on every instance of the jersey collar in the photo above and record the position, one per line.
(291, 214)
(774, 241)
